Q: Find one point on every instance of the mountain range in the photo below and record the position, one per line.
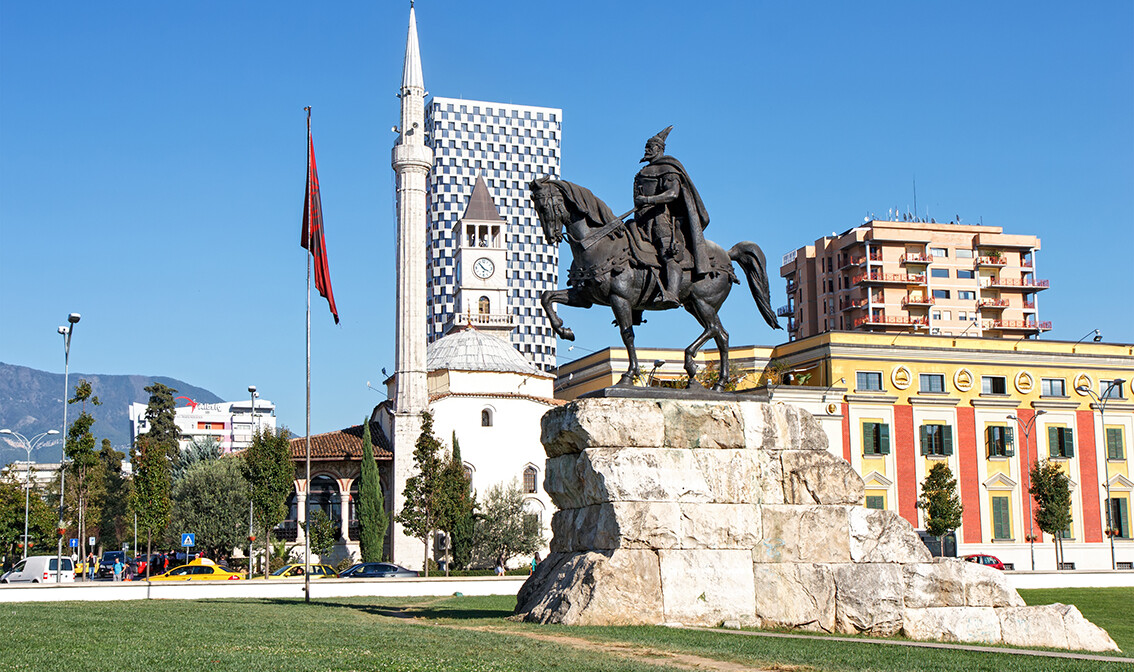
(31, 402)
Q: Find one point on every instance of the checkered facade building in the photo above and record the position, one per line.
(508, 145)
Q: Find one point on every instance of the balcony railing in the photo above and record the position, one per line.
(1018, 325)
(916, 259)
(785, 311)
(878, 276)
(1013, 282)
(905, 320)
(1029, 305)
(992, 303)
(850, 304)
(992, 261)
(917, 301)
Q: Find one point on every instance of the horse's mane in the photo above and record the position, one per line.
(597, 212)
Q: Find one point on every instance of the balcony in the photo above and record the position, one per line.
(889, 278)
(1013, 283)
(991, 261)
(992, 304)
(884, 320)
(1018, 325)
(791, 286)
(1029, 305)
(851, 304)
(481, 320)
(785, 311)
(916, 259)
(917, 301)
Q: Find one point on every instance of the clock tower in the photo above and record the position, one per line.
(481, 297)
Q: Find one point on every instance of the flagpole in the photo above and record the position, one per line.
(307, 451)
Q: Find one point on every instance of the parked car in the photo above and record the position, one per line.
(198, 570)
(377, 570)
(987, 560)
(295, 571)
(106, 563)
(40, 569)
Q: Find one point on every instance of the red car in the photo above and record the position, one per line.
(987, 560)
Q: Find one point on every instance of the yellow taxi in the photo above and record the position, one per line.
(201, 569)
(295, 571)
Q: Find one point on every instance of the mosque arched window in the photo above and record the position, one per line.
(486, 417)
(530, 475)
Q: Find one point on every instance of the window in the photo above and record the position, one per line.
(938, 272)
(875, 502)
(486, 418)
(962, 315)
(875, 438)
(1053, 387)
(936, 439)
(966, 296)
(530, 479)
(1000, 441)
(993, 385)
(1115, 446)
(964, 275)
(868, 381)
(940, 293)
(931, 382)
(1001, 518)
(484, 307)
(1107, 391)
(1060, 442)
(1120, 517)
(939, 251)
(963, 254)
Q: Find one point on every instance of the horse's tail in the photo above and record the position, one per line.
(751, 260)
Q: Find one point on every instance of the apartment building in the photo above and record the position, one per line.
(919, 277)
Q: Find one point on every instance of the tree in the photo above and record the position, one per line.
(150, 498)
(503, 529)
(270, 474)
(211, 500)
(1051, 488)
(200, 450)
(116, 492)
(80, 450)
(464, 508)
(41, 517)
(941, 502)
(372, 518)
(321, 532)
(161, 416)
(423, 489)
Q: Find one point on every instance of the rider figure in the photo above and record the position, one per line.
(665, 199)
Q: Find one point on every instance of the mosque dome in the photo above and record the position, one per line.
(472, 350)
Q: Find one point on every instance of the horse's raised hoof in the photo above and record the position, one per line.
(566, 334)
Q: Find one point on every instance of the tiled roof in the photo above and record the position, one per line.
(343, 444)
(499, 395)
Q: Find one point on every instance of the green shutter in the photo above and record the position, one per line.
(947, 437)
(1114, 447)
(924, 440)
(1001, 525)
(1123, 517)
(989, 441)
(1053, 442)
(869, 443)
(884, 439)
(1009, 442)
(1068, 442)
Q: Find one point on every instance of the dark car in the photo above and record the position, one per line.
(377, 570)
(106, 563)
(986, 560)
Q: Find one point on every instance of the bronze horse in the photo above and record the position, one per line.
(613, 266)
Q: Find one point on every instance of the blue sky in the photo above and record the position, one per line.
(152, 158)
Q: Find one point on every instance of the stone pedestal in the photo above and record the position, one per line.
(700, 512)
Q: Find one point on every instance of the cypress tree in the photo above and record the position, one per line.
(461, 536)
(372, 518)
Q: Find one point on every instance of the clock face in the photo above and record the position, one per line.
(483, 268)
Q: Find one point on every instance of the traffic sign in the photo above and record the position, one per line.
(188, 539)
(90, 541)
(74, 542)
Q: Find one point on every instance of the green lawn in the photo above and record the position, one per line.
(448, 634)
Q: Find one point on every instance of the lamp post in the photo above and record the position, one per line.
(251, 535)
(1101, 402)
(28, 446)
(66, 332)
(1026, 429)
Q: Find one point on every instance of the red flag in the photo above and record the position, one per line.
(312, 237)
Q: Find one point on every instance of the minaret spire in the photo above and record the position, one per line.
(411, 67)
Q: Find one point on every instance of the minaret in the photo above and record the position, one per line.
(411, 162)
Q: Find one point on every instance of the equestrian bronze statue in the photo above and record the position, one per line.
(657, 260)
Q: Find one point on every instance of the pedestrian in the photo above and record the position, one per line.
(500, 565)
(117, 569)
(535, 561)
(90, 565)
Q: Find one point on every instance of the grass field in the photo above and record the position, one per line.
(454, 635)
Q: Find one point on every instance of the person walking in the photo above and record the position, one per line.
(90, 565)
(118, 569)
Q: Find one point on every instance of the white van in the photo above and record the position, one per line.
(40, 569)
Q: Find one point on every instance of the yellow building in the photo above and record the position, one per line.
(895, 404)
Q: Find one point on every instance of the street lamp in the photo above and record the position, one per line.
(66, 332)
(1106, 395)
(251, 536)
(28, 446)
(1026, 429)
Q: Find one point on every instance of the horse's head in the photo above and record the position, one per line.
(550, 208)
